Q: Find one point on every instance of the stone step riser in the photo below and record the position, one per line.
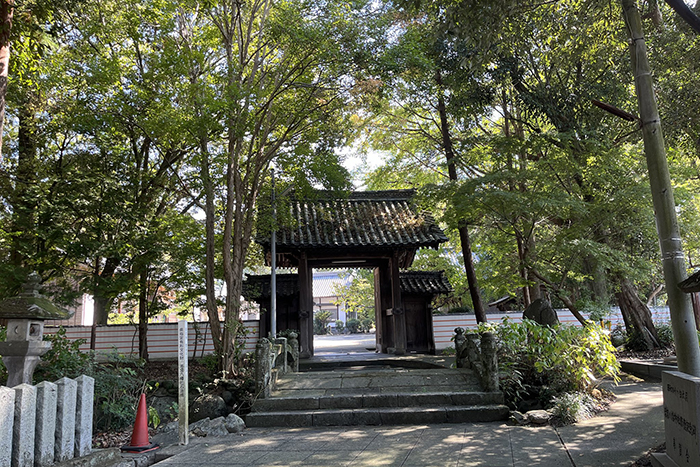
(376, 401)
(383, 416)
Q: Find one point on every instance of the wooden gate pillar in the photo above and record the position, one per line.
(306, 309)
(382, 303)
(397, 310)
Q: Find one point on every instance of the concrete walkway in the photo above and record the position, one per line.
(633, 425)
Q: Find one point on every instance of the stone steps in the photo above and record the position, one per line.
(377, 396)
(367, 401)
(379, 416)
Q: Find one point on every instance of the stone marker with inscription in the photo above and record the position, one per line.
(681, 419)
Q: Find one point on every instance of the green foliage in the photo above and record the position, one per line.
(63, 359)
(153, 417)
(366, 324)
(634, 341)
(596, 311)
(572, 407)
(321, 322)
(665, 334)
(353, 325)
(358, 294)
(117, 391)
(339, 326)
(210, 362)
(557, 359)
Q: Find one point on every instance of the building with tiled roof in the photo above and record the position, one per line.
(339, 223)
(378, 230)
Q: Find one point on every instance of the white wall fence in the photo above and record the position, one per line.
(45, 424)
(444, 325)
(162, 338)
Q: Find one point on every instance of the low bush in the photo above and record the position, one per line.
(540, 362)
(63, 359)
(117, 390)
(353, 325)
(572, 407)
(117, 381)
(321, 322)
(635, 342)
(366, 324)
(339, 326)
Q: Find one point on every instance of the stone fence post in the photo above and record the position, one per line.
(263, 368)
(7, 418)
(46, 424)
(461, 360)
(478, 352)
(294, 350)
(489, 362)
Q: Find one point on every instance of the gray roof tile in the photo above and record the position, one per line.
(377, 219)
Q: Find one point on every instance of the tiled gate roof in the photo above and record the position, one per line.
(375, 219)
(424, 282)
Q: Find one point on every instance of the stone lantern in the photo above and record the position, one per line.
(25, 315)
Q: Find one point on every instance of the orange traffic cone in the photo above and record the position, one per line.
(139, 438)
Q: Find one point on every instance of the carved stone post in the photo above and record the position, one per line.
(460, 348)
(489, 360)
(263, 368)
(294, 349)
(473, 349)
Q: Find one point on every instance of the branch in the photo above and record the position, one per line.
(564, 298)
(684, 11)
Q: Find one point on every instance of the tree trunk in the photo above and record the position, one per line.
(6, 14)
(103, 298)
(463, 226)
(25, 195)
(636, 314)
(210, 266)
(143, 314)
(562, 296)
(682, 318)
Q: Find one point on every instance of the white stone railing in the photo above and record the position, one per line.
(45, 424)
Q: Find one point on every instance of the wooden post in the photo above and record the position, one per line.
(306, 309)
(398, 312)
(183, 382)
(682, 318)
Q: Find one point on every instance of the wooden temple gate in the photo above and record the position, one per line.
(379, 230)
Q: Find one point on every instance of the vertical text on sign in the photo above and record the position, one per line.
(681, 417)
(183, 403)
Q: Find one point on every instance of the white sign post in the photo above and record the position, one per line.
(183, 403)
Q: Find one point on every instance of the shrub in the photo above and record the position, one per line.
(665, 333)
(542, 361)
(572, 407)
(339, 326)
(117, 391)
(353, 325)
(321, 322)
(63, 359)
(366, 324)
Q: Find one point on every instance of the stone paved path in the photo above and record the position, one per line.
(613, 439)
